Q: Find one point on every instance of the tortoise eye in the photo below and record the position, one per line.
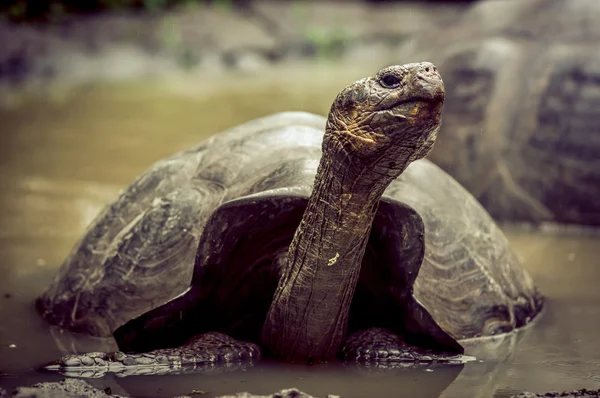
(390, 81)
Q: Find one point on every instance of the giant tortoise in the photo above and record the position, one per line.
(383, 247)
(522, 117)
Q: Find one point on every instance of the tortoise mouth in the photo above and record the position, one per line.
(411, 107)
(434, 98)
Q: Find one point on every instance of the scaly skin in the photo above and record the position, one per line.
(204, 352)
(216, 352)
(381, 348)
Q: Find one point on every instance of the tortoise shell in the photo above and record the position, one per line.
(238, 197)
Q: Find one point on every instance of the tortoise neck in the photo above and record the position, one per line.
(308, 317)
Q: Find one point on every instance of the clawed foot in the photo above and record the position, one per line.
(205, 352)
(380, 347)
(219, 352)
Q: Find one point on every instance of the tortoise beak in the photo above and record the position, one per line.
(427, 84)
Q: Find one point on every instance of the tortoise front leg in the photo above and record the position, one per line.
(202, 352)
(379, 347)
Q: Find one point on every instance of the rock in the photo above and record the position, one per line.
(249, 37)
(77, 388)
(291, 21)
(67, 388)
(286, 393)
(202, 27)
(583, 393)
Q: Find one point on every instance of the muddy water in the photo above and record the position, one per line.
(64, 155)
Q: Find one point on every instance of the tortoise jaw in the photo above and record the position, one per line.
(434, 97)
(413, 107)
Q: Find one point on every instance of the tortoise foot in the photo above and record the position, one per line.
(205, 352)
(380, 347)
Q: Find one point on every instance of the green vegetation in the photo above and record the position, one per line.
(170, 38)
(52, 10)
(328, 43)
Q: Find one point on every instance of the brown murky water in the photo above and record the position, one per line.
(62, 157)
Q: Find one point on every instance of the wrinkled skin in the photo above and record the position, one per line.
(376, 128)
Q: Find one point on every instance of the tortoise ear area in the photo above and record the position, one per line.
(236, 272)
(353, 95)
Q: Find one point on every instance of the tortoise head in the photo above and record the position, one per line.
(386, 121)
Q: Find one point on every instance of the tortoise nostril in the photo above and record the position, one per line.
(426, 69)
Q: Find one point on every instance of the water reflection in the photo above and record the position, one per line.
(61, 161)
